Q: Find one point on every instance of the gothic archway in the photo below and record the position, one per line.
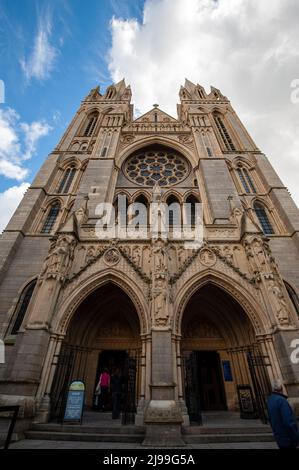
(103, 332)
(219, 354)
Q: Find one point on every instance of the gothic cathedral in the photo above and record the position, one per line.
(191, 330)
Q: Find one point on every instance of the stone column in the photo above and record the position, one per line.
(163, 417)
(49, 369)
(139, 419)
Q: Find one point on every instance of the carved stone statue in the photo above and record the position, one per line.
(90, 255)
(159, 256)
(60, 258)
(161, 315)
(281, 308)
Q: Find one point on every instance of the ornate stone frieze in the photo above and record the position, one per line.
(60, 257)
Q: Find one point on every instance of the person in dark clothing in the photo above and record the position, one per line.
(116, 389)
(282, 419)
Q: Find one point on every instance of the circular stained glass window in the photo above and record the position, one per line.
(147, 167)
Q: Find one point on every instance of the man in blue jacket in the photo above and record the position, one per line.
(282, 419)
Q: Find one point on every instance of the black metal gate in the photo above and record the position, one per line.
(192, 387)
(70, 365)
(259, 365)
(130, 388)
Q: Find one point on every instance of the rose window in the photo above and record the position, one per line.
(164, 166)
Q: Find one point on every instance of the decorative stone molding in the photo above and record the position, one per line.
(207, 257)
(258, 320)
(85, 289)
(112, 257)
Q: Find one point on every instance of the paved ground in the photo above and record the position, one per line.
(32, 444)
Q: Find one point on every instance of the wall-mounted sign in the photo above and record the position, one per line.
(75, 402)
(227, 371)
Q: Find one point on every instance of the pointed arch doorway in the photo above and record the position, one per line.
(104, 333)
(224, 365)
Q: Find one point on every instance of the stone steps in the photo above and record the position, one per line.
(74, 429)
(222, 430)
(132, 434)
(227, 438)
(85, 436)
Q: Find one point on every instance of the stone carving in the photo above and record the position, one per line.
(160, 285)
(82, 213)
(228, 254)
(258, 255)
(112, 256)
(280, 306)
(202, 330)
(137, 256)
(90, 255)
(127, 139)
(159, 256)
(59, 259)
(207, 257)
(185, 139)
(115, 329)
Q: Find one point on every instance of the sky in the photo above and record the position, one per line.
(52, 52)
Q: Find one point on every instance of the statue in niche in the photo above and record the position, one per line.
(60, 258)
(281, 308)
(159, 256)
(261, 257)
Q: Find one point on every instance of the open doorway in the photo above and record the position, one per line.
(211, 387)
(110, 360)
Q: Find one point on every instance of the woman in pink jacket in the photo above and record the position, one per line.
(103, 389)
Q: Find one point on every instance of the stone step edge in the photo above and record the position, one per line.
(202, 430)
(86, 437)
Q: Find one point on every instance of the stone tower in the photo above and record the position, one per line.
(184, 325)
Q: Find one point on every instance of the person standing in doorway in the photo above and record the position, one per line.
(104, 388)
(116, 390)
(282, 418)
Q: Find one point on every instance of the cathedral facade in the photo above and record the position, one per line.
(192, 329)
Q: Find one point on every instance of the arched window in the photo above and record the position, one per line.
(174, 211)
(263, 218)
(121, 204)
(90, 124)
(224, 132)
(246, 180)
(191, 210)
(22, 307)
(142, 199)
(110, 93)
(293, 296)
(51, 218)
(67, 180)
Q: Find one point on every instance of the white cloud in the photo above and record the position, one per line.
(18, 142)
(33, 132)
(9, 201)
(41, 61)
(247, 48)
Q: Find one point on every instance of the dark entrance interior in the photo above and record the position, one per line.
(111, 360)
(211, 387)
(204, 387)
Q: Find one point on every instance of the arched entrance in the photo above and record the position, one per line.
(224, 366)
(104, 332)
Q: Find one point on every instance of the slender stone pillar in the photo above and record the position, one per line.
(163, 417)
